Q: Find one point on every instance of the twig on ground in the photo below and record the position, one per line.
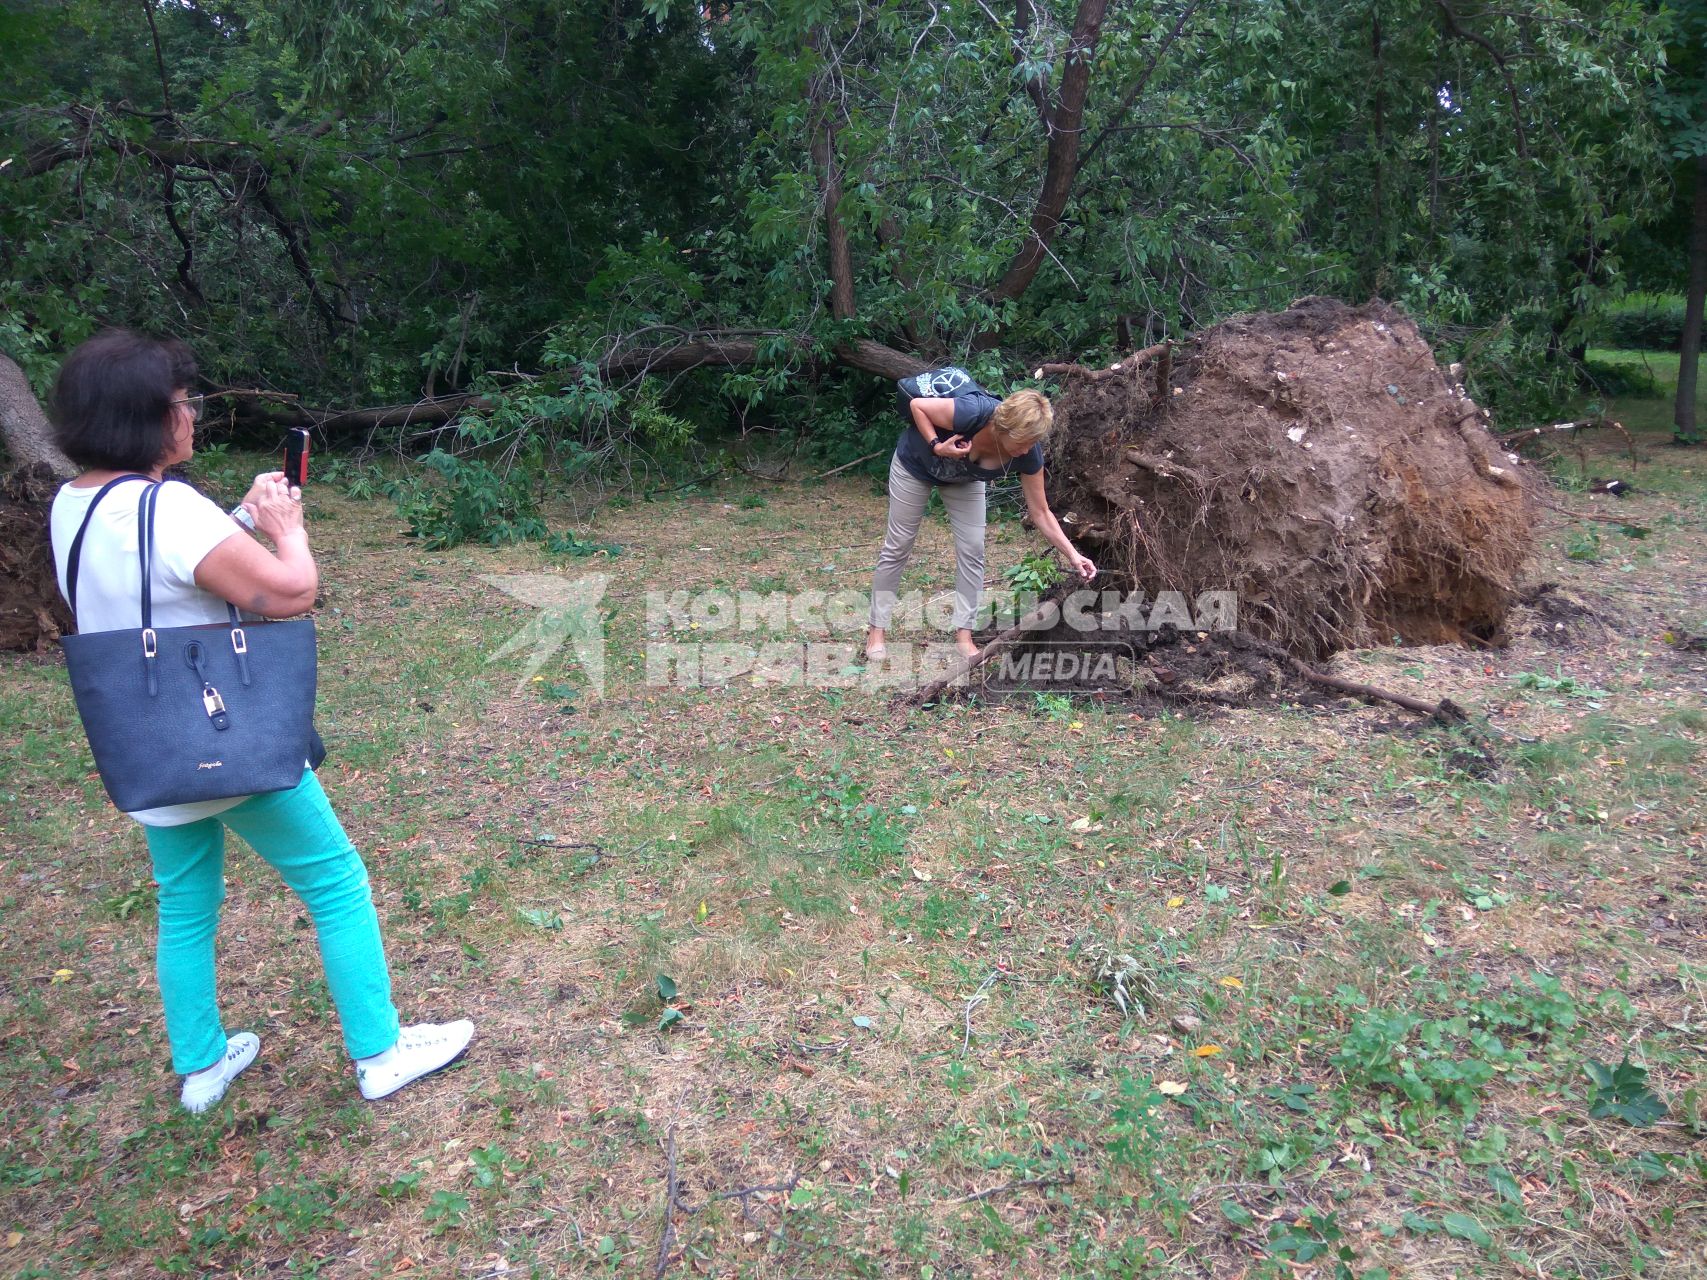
(672, 1196)
(746, 1194)
(825, 475)
(978, 997)
(1065, 1178)
(561, 844)
(1532, 433)
(1590, 515)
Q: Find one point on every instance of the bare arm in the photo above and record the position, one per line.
(274, 584)
(936, 413)
(1037, 502)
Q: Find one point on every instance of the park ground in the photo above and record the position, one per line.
(1398, 1004)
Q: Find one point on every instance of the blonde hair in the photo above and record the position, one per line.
(1023, 419)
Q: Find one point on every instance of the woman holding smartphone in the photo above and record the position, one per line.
(122, 406)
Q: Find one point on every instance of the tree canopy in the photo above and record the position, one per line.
(363, 202)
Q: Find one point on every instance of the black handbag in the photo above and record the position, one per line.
(179, 714)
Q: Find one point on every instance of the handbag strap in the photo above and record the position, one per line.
(76, 555)
(145, 560)
(145, 550)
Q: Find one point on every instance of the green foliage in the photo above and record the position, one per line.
(1623, 1092)
(1583, 543)
(469, 502)
(1035, 574)
(1441, 1065)
(1641, 322)
(423, 198)
(567, 544)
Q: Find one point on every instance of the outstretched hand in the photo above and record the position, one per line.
(1082, 566)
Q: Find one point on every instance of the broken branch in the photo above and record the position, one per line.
(932, 691)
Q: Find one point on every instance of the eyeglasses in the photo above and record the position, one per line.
(195, 402)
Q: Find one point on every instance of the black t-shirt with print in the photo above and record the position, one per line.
(973, 409)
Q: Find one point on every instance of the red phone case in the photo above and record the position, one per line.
(296, 458)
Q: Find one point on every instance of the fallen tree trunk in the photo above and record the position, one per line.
(719, 351)
(24, 426)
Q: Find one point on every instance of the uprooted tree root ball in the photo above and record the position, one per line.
(32, 615)
(1317, 462)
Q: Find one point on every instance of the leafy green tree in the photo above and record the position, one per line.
(1682, 108)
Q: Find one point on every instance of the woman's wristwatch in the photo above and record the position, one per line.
(240, 513)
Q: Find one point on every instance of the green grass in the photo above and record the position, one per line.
(1373, 979)
(1643, 389)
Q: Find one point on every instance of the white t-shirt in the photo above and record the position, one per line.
(109, 581)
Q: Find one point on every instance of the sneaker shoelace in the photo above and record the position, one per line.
(232, 1053)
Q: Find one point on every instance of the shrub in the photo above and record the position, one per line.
(470, 503)
(1641, 322)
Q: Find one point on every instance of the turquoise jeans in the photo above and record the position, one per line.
(297, 832)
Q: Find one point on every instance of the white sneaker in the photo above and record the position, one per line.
(419, 1051)
(205, 1087)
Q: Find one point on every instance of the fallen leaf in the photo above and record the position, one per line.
(1176, 902)
(14, 1239)
(1206, 1051)
(1236, 983)
(62, 975)
(1171, 1088)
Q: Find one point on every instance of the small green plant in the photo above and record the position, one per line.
(357, 480)
(1035, 574)
(752, 502)
(1057, 706)
(1135, 1133)
(399, 1187)
(1558, 682)
(667, 994)
(137, 900)
(1435, 1064)
(1623, 1092)
(491, 1166)
(1583, 544)
(567, 544)
(445, 1211)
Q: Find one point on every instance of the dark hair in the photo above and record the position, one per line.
(112, 396)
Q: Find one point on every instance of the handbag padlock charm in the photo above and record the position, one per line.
(215, 707)
(212, 703)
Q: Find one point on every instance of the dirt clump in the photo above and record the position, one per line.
(32, 614)
(1316, 461)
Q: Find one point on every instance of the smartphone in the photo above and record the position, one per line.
(296, 457)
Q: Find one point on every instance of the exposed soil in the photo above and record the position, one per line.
(1318, 462)
(32, 614)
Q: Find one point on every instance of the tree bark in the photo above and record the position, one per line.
(710, 351)
(24, 426)
(830, 195)
(1066, 127)
(1689, 354)
(32, 615)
